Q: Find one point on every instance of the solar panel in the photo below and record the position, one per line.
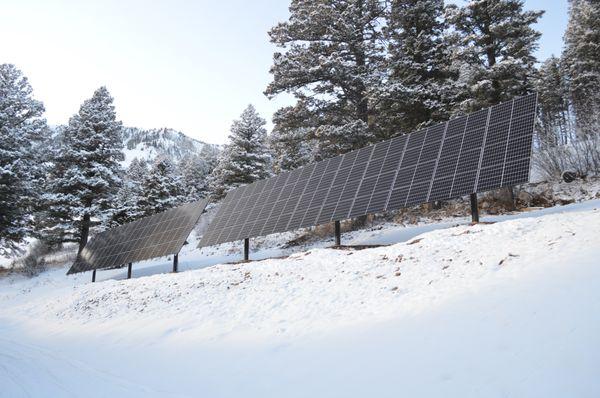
(484, 150)
(150, 237)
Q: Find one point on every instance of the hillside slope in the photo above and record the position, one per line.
(504, 309)
(147, 144)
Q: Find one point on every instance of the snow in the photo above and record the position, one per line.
(5, 262)
(22, 249)
(148, 144)
(503, 309)
(140, 151)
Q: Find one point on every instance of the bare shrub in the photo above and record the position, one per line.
(34, 263)
(581, 156)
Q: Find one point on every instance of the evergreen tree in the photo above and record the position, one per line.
(246, 158)
(331, 59)
(210, 156)
(582, 63)
(127, 202)
(291, 148)
(292, 138)
(554, 125)
(86, 173)
(161, 188)
(421, 86)
(21, 127)
(194, 173)
(216, 181)
(53, 221)
(495, 44)
(137, 170)
(334, 140)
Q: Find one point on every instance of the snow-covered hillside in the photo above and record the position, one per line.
(147, 144)
(492, 310)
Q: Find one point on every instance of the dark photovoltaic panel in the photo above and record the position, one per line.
(485, 150)
(150, 237)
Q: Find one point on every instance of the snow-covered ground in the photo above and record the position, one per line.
(508, 309)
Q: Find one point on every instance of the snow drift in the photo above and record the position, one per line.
(503, 309)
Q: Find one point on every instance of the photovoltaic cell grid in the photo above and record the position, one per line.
(150, 237)
(485, 150)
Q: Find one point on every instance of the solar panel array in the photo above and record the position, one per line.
(150, 237)
(487, 149)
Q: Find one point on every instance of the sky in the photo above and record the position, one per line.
(189, 65)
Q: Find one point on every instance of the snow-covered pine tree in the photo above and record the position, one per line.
(555, 126)
(127, 201)
(137, 170)
(216, 179)
(52, 218)
(334, 140)
(495, 43)
(421, 88)
(86, 173)
(210, 155)
(292, 139)
(21, 127)
(291, 148)
(581, 58)
(194, 173)
(331, 59)
(246, 158)
(161, 187)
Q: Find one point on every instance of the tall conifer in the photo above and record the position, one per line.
(86, 172)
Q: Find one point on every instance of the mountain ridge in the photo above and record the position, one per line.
(147, 144)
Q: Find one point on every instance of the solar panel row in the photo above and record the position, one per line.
(150, 237)
(488, 149)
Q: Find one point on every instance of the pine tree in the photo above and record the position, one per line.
(161, 188)
(554, 125)
(291, 148)
(210, 156)
(137, 170)
(582, 63)
(52, 219)
(216, 181)
(495, 43)
(194, 172)
(421, 87)
(331, 59)
(292, 139)
(126, 206)
(334, 140)
(246, 158)
(21, 128)
(86, 173)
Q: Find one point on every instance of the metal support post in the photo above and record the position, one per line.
(474, 208)
(338, 233)
(94, 276)
(247, 249)
(129, 271)
(175, 262)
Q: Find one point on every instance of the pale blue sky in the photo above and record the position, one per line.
(189, 65)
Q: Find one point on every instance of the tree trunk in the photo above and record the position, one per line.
(85, 231)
